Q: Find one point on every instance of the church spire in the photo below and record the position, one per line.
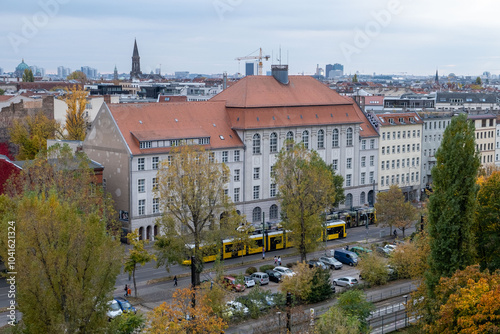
(437, 77)
(136, 63)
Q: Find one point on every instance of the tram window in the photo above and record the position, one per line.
(229, 248)
(259, 243)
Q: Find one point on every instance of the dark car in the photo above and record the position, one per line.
(125, 305)
(316, 263)
(274, 276)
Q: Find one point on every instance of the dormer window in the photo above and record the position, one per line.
(391, 120)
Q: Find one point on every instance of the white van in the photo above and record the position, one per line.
(260, 278)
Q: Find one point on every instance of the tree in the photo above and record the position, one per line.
(353, 303)
(479, 82)
(137, 255)
(2, 91)
(306, 189)
(409, 260)
(335, 320)
(452, 203)
(31, 133)
(28, 75)
(470, 302)
(393, 211)
(191, 193)
(79, 76)
(76, 122)
(299, 284)
(487, 223)
(355, 78)
(68, 263)
(127, 323)
(321, 286)
(179, 316)
(373, 269)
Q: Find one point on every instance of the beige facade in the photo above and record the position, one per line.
(485, 137)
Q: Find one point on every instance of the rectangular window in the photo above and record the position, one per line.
(387, 180)
(363, 176)
(394, 135)
(256, 192)
(414, 132)
(372, 144)
(403, 163)
(404, 146)
(211, 157)
(348, 178)
(397, 178)
(383, 135)
(404, 134)
(383, 149)
(394, 149)
(236, 155)
(397, 163)
(272, 173)
(156, 205)
(363, 161)
(392, 179)
(272, 190)
(335, 164)
(140, 163)
(418, 161)
(416, 176)
(256, 173)
(155, 162)
(383, 165)
(413, 162)
(142, 207)
(399, 134)
(418, 133)
(399, 149)
(372, 160)
(141, 185)
(382, 181)
(363, 144)
(418, 147)
(169, 160)
(236, 195)
(155, 183)
(372, 179)
(236, 175)
(225, 156)
(349, 163)
(412, 177)
(387, 165)
(393, 164)
(407, 177)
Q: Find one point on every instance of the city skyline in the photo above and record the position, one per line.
(385, 37)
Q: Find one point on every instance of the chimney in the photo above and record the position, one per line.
(280, 73)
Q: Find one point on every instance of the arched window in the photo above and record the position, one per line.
(289, 140)
(273, 142)
(305, 138)
(256, 143)
(256, 214)
(321, 139)
(349, 137)
(348, 200)
(362, 198)
(273, 212)
(335, 138)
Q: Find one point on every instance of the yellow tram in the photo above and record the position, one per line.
(269, 241)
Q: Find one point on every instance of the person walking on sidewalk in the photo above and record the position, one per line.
(126, 291)
(275, 260)
(175, 280)
(279, 260)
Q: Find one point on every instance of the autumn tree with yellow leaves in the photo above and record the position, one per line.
(76, 120)
(180, 317)
(393, 211)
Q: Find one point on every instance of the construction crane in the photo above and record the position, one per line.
(259, 58)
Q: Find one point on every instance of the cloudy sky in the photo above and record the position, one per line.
(205, 36)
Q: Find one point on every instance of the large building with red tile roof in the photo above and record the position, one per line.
(245, 126)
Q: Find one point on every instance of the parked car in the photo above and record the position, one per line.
(249, 282)
(345, 281)
(249, 302)
(274, 276)
(236, 308)
(331, 262)
(317, 263)
(125, 305)
(230, 282)
(260, 278)
(382, 251)
(360, 250)
(114, 309)
(390, 248)
(346, 257)
(284, 271)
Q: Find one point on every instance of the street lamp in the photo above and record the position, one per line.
(406, 310)
(279, 322)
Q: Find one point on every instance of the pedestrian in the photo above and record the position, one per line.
(347, 247)
(263, 253)
(126, 290)
(129, 291)
(175, 280)
(395, 233)
(279, 260)
(275, 260)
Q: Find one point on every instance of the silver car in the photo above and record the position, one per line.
(331, 262)
(346, 281)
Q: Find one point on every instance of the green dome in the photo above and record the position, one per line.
(20, 68)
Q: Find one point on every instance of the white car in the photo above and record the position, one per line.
(390, 248)
(114, 309)
(345, 281)
(237, 308)
(249, 282)
(284, 271)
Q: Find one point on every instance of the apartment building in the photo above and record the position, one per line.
(400, 152)
(485, 136)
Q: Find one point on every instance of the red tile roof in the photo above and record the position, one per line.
(384, 118)
(163, 121)
(367, 130)
(265, 91)
(4, 98)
